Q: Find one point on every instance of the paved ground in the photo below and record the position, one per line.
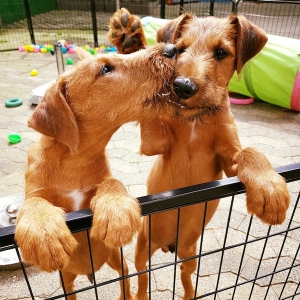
(274, 131)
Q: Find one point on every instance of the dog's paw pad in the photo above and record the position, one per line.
(126, 32)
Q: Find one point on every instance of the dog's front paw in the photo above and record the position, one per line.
(267, 193)
(43, 236)
(268, 198)
(116, 219)
(126, 32)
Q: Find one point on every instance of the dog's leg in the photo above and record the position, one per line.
(126, 32)
(266, 191)
(117, 216)
(43, 235)
(68, 279)
(141, 258)
(187, 268)
(114, 261)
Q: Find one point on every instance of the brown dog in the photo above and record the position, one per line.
(68, 169)
(204, 143)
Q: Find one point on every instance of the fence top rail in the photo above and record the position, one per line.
(82, 220)
(205, 191)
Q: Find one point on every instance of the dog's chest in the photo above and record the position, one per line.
(81, 197)
(201, 135)
(77, 197)
(193, 133)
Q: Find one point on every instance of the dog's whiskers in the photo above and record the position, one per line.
(199, 112)
(181, 109)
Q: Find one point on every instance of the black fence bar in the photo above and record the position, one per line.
(29, 21)
(79, 220)
(235, 5)
(211, 7)
(181, 10)
(94, 22)
(206, 191)
(163, 9)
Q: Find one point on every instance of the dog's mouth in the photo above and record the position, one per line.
(188, 112)
(180, 107)
(164, 95)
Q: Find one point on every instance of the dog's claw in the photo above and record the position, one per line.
(116, 24)
(124, 19)
(135, 26)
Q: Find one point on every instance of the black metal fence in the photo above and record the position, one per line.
(85, 22)
(248, 260)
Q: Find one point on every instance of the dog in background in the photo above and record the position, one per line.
(202, 141)
(68, 169)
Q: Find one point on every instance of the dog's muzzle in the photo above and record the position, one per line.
(184, 87)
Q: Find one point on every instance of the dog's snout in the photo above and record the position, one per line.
(184, 87)
(170, 51)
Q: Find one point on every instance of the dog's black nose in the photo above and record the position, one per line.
(170, 51)
(184, 87)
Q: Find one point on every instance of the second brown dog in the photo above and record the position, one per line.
(203, 142)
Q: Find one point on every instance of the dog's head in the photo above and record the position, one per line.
(209, 51)
(99, 94)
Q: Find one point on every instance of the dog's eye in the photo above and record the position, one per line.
(221, 53)
(106, 69)
(181, 50)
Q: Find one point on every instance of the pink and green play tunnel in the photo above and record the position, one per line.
(272, 76)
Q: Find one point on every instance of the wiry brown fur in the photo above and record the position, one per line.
(68, 169)
(202, 142)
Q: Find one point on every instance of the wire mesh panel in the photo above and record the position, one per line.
(85, 22)
(275, 17)
(237, 257)
(204, 8)
(70, 25)
(11, 36)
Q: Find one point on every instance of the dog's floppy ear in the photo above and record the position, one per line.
(172, 31)
(250, 40)
(53, 116)
(82, 53)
